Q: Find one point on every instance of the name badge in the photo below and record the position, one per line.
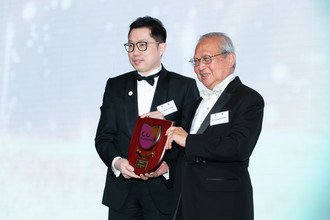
(219, 118)
(167, 108)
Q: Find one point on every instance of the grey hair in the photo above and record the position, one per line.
(225, 44)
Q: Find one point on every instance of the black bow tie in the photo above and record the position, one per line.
(150, 79)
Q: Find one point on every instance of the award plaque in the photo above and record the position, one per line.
(147, 146)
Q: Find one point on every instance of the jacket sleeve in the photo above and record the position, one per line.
(106, 130)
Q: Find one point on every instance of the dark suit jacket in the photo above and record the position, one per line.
(119, 112)
(215, 179)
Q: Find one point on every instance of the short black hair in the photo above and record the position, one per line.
(158, 31)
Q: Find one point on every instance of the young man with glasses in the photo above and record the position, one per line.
(224, 128)
(133, 94)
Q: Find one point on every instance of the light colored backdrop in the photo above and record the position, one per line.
(55, 58)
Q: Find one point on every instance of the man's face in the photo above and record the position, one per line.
(150, 59)
(221, 66)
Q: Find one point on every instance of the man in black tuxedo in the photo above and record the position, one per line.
(224, 128)
(140, 92)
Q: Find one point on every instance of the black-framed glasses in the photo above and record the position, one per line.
(207, 59)
(141, 46)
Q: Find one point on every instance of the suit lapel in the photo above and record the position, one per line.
(222, 100)
(220, 103)
(193, 112)
(160, 96)
(131, 107)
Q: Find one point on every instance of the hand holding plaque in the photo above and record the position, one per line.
(147, 146)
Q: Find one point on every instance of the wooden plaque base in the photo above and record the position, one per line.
(147, 146)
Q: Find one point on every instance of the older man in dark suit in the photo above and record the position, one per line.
(223, 131)
(127, 96)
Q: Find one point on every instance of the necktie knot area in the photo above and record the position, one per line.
(208, 94)
(150, 79)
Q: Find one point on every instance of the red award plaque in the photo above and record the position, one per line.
(147, 146)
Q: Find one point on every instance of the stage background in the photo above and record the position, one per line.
(55, 58)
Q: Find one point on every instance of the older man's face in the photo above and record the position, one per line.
(221, 66)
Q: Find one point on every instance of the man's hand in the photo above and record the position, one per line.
(177, 134)
(125, 168)
(162, 169)
(155, 114)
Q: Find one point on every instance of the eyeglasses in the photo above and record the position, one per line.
(207, 59)
(141, 46)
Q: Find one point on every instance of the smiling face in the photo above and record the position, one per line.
(221, 66)
(150, 59)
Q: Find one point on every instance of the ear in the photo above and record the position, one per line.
(162, 48)
(232, 59)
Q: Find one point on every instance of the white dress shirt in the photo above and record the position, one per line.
(210, 97)
(145, 93)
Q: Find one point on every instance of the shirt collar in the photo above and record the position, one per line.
(218, 89)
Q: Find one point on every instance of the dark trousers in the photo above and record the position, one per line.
(178, 210)
(138, 206)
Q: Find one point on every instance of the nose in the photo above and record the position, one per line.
(136, 51)
(201, 66)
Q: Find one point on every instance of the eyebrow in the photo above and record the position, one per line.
(142, 40)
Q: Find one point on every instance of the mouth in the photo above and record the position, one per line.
(204, 76)
(137, 62)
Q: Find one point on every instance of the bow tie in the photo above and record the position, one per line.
(208, 94)
(150, 79)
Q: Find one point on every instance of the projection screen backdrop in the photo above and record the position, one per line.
(55, 58)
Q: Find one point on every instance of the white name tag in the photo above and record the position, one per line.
(167, 108)
(219, 118)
